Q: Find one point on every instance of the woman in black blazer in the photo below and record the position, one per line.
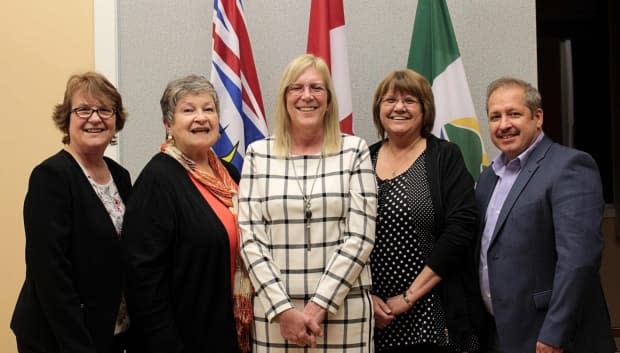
(73, 215)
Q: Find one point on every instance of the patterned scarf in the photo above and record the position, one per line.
(219, 183)
(224, 188)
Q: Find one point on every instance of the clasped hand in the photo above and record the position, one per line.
(302, 327)
(386, 311)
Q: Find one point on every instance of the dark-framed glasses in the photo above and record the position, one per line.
(86, 112)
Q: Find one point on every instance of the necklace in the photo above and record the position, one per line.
(307, 198)
(397, 166)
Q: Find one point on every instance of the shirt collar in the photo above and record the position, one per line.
(500, 161)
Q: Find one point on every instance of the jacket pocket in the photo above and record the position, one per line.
(541, 300)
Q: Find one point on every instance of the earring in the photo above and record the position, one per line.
(169, 138)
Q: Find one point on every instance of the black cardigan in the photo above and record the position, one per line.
(179, 292)
(452, 193)
(71, 295)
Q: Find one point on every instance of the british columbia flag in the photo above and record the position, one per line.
(233, 74)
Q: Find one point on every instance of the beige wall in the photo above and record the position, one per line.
(42, 43)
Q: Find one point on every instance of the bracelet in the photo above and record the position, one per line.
(407, 300)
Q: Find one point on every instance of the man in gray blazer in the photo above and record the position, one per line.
(540, 237)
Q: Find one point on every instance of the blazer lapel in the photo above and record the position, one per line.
(484, 190)
(532, 164)
(94, 200)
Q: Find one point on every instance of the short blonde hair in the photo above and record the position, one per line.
(282, 120)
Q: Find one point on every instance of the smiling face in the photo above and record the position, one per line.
(195, 125)
(401, 114)
(512, 125)
(93, 134)
(306, 101)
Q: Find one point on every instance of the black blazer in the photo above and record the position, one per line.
(71, 294)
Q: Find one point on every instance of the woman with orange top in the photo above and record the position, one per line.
(181, 238)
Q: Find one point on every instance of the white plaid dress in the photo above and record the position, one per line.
(289, 265)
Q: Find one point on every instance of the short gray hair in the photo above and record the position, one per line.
(175, 90)
(532, 97)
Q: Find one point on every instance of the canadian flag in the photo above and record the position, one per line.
(327, 38)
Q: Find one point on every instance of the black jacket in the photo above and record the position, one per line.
(179, 292)
(71, 295)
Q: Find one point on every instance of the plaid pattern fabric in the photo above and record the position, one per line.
(287, 264)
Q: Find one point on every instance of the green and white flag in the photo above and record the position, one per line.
(434, 54)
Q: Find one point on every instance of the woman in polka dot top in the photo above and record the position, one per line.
(423, 287)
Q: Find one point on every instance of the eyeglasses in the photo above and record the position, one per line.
(407, 101)
(297, 89)
(86, 113)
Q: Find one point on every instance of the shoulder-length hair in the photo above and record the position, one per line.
(282, 119)
(406, 82)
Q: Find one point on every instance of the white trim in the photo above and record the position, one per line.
(106, 48)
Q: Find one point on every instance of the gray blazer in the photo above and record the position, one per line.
(545, 252)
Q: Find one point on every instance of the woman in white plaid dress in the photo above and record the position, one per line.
(307, 205)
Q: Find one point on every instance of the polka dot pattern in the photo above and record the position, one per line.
(404, 239)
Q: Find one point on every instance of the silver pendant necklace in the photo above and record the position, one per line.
(307, 199)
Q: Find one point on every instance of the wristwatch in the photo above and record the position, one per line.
(407, 300)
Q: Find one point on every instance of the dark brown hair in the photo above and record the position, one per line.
(406, 82)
